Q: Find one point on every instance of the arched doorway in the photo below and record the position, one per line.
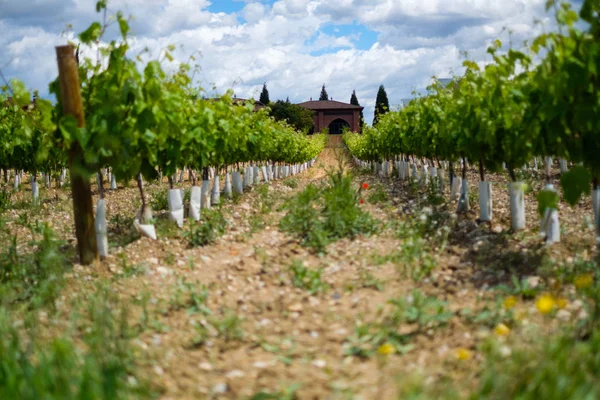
(337, 126)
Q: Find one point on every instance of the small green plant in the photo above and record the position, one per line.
(377, 194)
(37, 277)
(520, 287)
(101, 367)
(207, 230)
(307, 279)
(291, 183)
(288, 393)
(228, 328)
(303, 219)
(369, 281)
(490, 315)
(421, 312)
(191, 296)
(320, 216)
(5, 202)
(341, 212)
(121, 230)
(559, 368)
(128, 270)
(160, 200)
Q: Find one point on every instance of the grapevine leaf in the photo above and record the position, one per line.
(575, 183)
(91, 34)
(547, 199)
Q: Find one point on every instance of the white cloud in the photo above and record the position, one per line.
(273, 43)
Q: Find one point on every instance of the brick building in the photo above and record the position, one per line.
(334, 115)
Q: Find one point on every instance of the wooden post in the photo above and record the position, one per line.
(83, 209)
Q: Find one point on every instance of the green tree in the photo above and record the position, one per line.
(324, 96)
(382, 105)
(354, 101)
(264, 95)
(298, 117)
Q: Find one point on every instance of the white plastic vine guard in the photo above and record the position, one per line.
(101, 228)
(227, 192)
(35, 192)
(550, 226)
(145, 230)
(205, 196)
(463, 200)
(485, 201)
(237, 183)
(256, 174)
(596, 206)
(195, 202)
(455, 189)
(176, 206)
(517, 206)
(215, 197)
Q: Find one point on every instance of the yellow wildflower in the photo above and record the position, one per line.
(583, 281)
(545, 303)
(464, 354)
(561, 303)
(510, 302)
(501, 330)
(386, 349)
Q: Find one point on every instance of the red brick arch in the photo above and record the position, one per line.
(328, 111)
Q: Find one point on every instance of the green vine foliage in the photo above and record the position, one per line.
(142, 119)
(510, 110)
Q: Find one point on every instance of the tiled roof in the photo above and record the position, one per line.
(328, 105)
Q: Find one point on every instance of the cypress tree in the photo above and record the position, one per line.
(354, 101)
(324, 95)
(382, 105)
(264, 95)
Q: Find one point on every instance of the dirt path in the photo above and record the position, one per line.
(229, 320)
(274, 336)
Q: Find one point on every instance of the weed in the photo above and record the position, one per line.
(377, 194)
(35, 277)
(291, 183)
(307, 279)
(369, 281)
(166, 227)
(191, 296)
(5, 202)
(170, 258)
(257, 222)
(160, 200)
(303, 219)
(342, 215)
(421, 313)
(58, 369)
(206, 231)
(320, 216)
(490, 315)
(228, 328)
(561, 368)
(121, 230)
(128, 270)
(520, 288)
(288, 393)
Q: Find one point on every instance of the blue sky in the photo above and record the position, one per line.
(293, 45)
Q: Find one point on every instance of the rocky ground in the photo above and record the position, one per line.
(414, 302)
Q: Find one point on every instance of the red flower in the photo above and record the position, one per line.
(365, 186)
(362, 201)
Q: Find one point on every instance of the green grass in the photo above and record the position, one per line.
(58, 368)
(307, 279)
(318, 216)
(211, 226)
